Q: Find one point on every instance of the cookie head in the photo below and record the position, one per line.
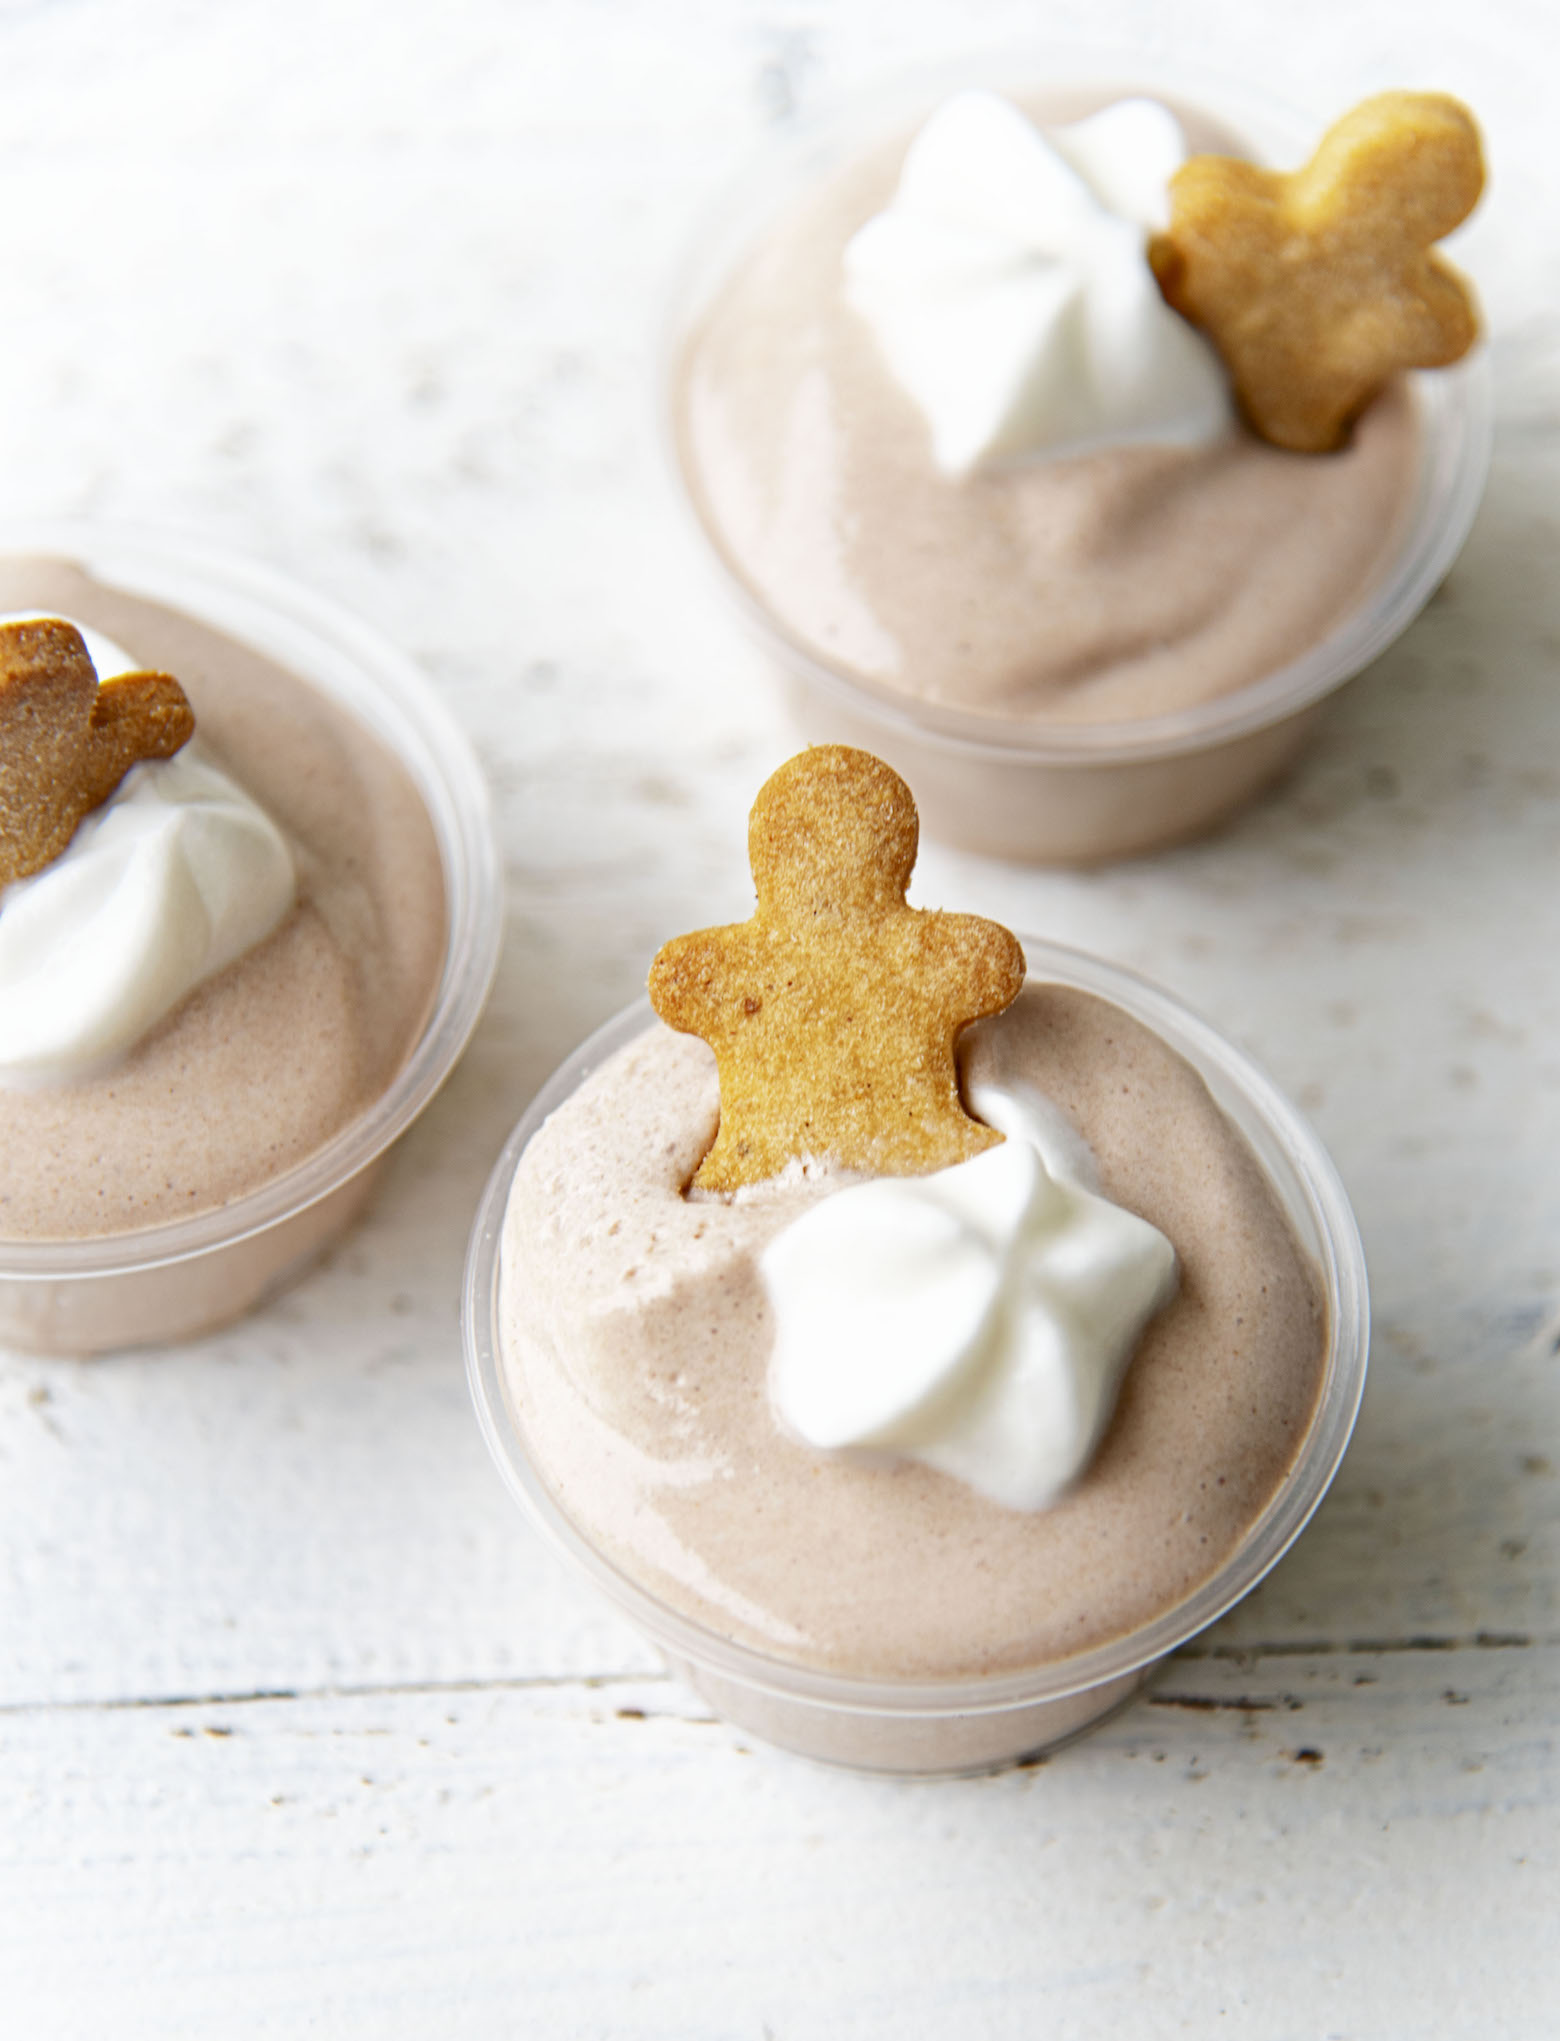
(832, 830)
(834, 1011)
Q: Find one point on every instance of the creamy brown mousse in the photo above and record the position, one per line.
(262, 1064)
(1123, 583)
(636, 1332)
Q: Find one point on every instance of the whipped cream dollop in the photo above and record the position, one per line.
(979, 1319)
(1007, 284)
(171, 880)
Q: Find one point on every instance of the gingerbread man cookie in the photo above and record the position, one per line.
(1317, 287)
(66, 742)
(834, 1011)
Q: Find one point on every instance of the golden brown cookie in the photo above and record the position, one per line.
(66, 742)
(1316, 287)
(833, 1013)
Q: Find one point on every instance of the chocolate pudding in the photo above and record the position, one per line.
(1080, 632)
(261, 1065)
(635, 1332)
(1103, 587)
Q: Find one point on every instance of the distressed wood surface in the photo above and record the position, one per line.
(1354, 1845)
(300, 1728)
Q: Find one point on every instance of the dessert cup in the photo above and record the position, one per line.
(172, 1280)
(951, 1726)
(1072, 792)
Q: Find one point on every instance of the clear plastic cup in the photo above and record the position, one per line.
(940, 1727)
(171, 1281)
(1079, 793)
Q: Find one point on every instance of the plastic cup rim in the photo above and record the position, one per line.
(1235, 1080)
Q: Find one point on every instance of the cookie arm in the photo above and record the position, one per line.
(1447, 313)
(690, 981)
(987, 959)
(135, 716)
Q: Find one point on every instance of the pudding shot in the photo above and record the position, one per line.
(916, 1345)
(1012, 502)
(246, 921)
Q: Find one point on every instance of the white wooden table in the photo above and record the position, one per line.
(301, 1731)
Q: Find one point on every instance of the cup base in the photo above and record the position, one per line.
(1032, 812)
(908, 1746)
